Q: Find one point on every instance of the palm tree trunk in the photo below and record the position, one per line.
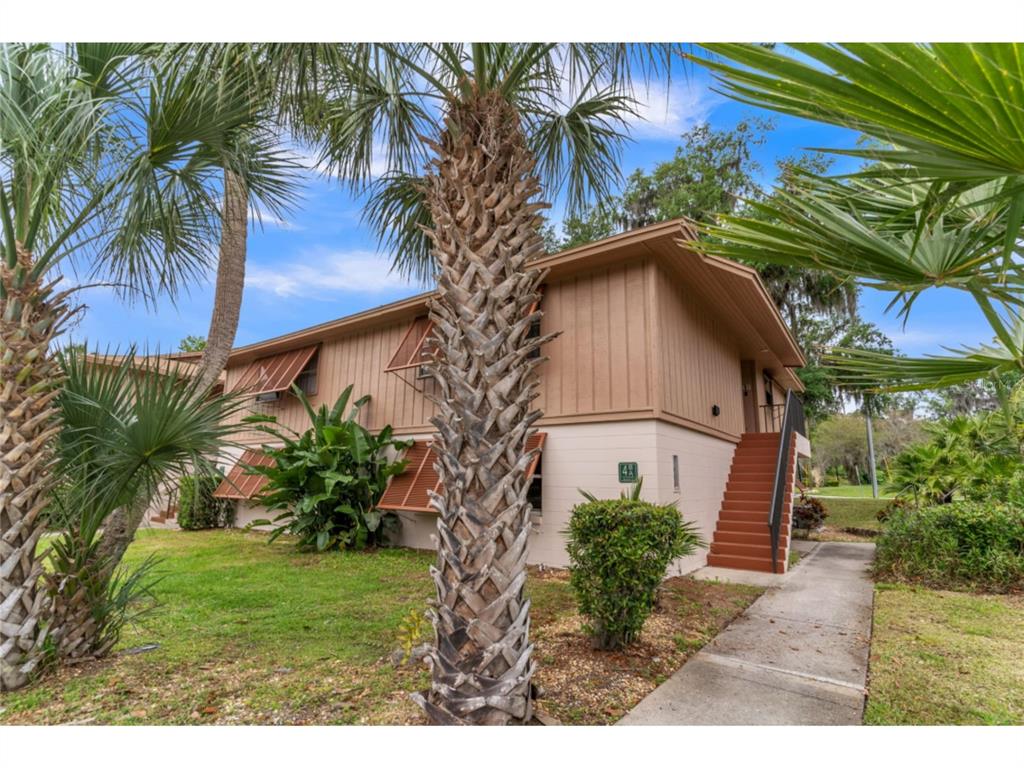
(76, 625)
(118, 532)
(227, 303)
(31, 314)
(485, 232)
(227, 300)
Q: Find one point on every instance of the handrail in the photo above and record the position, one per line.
(773, 413)
(793, 420)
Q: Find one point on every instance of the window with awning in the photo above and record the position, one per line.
(240, 483)
(409, 491)
(275, 373)
(414, 347)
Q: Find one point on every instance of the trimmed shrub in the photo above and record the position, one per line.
(808, 513)
(620, 550)
(197, 507)
(963, 545)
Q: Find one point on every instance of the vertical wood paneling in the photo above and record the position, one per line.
(699, 360)
(617, 345)
(601, 346)
(601, 363)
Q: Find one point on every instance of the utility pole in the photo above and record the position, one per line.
(871, 448)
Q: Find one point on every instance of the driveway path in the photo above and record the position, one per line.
(797, 656)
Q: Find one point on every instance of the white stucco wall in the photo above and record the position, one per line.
(587, 456)
(704, 465)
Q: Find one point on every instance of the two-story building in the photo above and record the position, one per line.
(670, 365)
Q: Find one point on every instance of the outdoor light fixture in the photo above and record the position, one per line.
(715, 410)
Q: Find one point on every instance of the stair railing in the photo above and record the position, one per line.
(793, 420)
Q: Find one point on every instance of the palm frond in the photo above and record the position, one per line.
(875, 233)
(396, 210)
(131, 421)
(947, 109)
(873, 371)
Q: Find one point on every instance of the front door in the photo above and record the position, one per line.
(748, 374)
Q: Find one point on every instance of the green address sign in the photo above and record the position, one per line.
(628, 472)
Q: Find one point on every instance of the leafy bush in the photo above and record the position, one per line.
(808, 513)
(619, 551)
(963, 545)
(198, 509)
(329, 479)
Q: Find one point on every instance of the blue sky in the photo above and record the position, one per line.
(319, 263)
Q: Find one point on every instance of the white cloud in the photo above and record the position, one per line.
(666, 111)
(261, 217)
(323, 273)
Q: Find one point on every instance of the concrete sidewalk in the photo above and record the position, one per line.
(797, 656)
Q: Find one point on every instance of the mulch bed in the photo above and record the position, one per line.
(581, 685)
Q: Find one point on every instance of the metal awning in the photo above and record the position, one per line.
(240, 483)
(275, 373)
(411, 352)
(409, 491)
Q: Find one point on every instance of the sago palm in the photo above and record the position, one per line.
(940, 203)
(495, 126)
(107, 165)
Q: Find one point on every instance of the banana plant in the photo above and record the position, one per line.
(325, 482)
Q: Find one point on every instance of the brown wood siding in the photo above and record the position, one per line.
(358, 358)
(634, 343)
(601, 362)
(698, 361)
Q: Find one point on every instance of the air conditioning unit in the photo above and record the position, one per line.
(268, 397)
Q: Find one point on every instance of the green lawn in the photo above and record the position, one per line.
(848, 491)
(946, 658)
(262, 634)
(853, 513)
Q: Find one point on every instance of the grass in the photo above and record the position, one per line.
(942, 657)
(262, 634)
(848, 492)
(853, 513)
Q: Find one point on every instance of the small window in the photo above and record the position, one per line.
(307, 380)
(534, 333)
(769, 394)
(536, 492)
(675, 471)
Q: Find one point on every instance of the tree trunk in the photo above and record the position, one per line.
(120, 528)
(485, 232)
(118, 532)
(31, 315)
(227, 299)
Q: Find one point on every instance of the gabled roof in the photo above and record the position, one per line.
(735, 288)
(184, 367)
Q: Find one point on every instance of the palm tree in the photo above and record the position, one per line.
(940, 204)
(278, 82)
(106, 164)
(126, 428)
(499, 124)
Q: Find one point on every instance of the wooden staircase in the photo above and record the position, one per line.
(742, 538)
